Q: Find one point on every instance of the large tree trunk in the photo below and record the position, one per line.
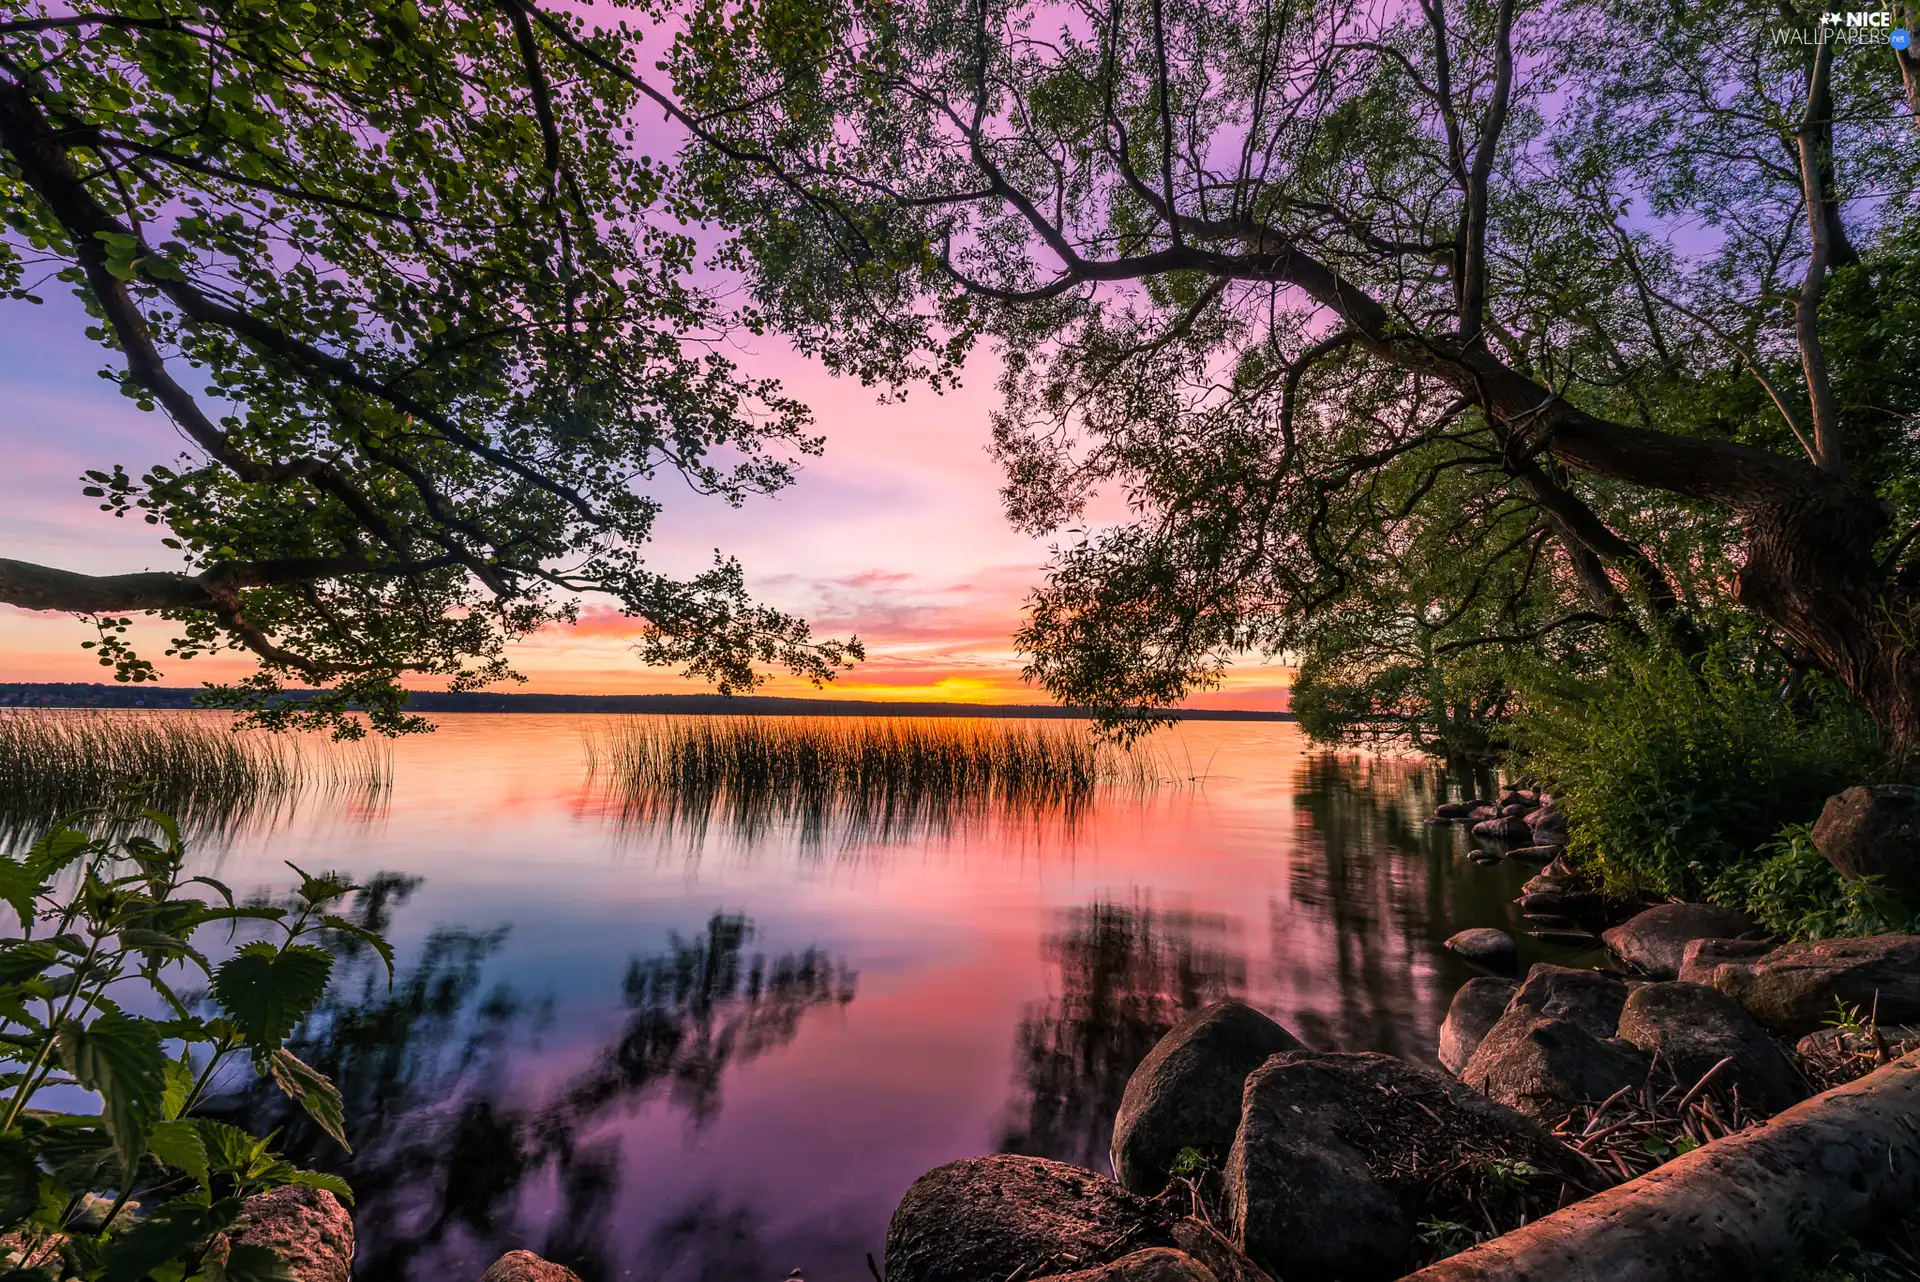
(1747, 1206)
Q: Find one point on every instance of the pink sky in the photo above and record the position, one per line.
(895, 534)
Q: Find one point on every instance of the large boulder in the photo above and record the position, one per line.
(1484, 945)
(1007, 1216)
(1186, 1092)
(1554, 1047)
(1655, 942)
(1157, 1264)
(1508, 829)
(1704, 956)
(1549, 826)
(1560, 902)
(1340, 1156)
(307, 1228)
(1793, 989)
(1477, 1007)
(1455, 811)
(1874, 832)
(1692, 1028)
(525, 1266)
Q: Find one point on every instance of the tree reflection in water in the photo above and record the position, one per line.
(1125, 975)
(445, 1150)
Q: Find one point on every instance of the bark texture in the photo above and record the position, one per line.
(1742, 1207)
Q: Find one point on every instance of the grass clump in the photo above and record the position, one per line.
(889, 772)
(1673, 770)
(194, 766)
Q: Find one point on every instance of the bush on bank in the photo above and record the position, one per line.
(1675, 773)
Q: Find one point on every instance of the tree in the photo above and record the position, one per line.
(1639, 273)
(402, 279)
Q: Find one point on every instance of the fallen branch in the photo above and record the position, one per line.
(1742, 1207)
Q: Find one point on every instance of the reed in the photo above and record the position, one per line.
(55, 762)
(890, 774)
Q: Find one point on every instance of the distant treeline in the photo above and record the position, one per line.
(51, 694)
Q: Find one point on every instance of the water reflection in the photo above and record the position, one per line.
(1124, 974)
(449, 1142)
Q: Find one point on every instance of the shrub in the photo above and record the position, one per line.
(1672, 771)
(145, 1187)
(1796, 893)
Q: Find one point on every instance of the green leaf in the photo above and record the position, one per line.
(322, 1180)
(179, 1088)
(179, 1144)
(22, 959)
(167, 1234)
(119, 1056)
(60, 847)
(19, 1180)
(268, 991)
(312, 1090)
(250, 1262)
(325, 888)
(19, 887)
(371, 938)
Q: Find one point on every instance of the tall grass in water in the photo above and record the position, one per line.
(883, 776)
(195, 766)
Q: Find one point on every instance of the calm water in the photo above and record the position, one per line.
(659, 1051)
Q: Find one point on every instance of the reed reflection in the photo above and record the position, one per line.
(1123, 975)
(448, 1143)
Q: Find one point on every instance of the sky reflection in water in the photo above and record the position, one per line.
(675, 1052)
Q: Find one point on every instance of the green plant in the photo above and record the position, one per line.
(1795, 892)
(1446, 1237)
(1674, 770)
(89, 1000)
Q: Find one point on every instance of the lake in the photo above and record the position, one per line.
(657, 1048)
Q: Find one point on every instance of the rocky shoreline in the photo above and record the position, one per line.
(1241, 1154)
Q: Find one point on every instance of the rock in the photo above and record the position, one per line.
(1535, 854)
(307, 1228)
(1560, 902)
(1655, 942)
(1485, 858)
(1542, 882)
(1552, 921)
(1186, 1092)
(1693, 1027)
(995, 1217)
(1158, 1264)
(1485, 945)
(1519, 797)
(525, 1266)
(1794, 989)
(1454, 811)
(1702, 956)
(1897, 1039)
(1219, 1256)
(1874, 832)
(1549, 825)
(1559, 867)
(1319, 1184)
(1517, 810)
(1502, 829)
(1568, 938)
(1477, 1006)
(1554, 1046)
(1585, 997)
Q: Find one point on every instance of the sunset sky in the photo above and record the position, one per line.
(896, 535)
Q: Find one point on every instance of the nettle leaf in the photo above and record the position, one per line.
(119, 1056)
(371, 938)
(19, 887)
(322, 1180)
(19, 1180)
(166, 1235)
(179, 1144)
(325, 888)
(22, 959)
(56, 850)
(266, 992)
(249, 1262)
(173, 1100)
(313, 1091)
